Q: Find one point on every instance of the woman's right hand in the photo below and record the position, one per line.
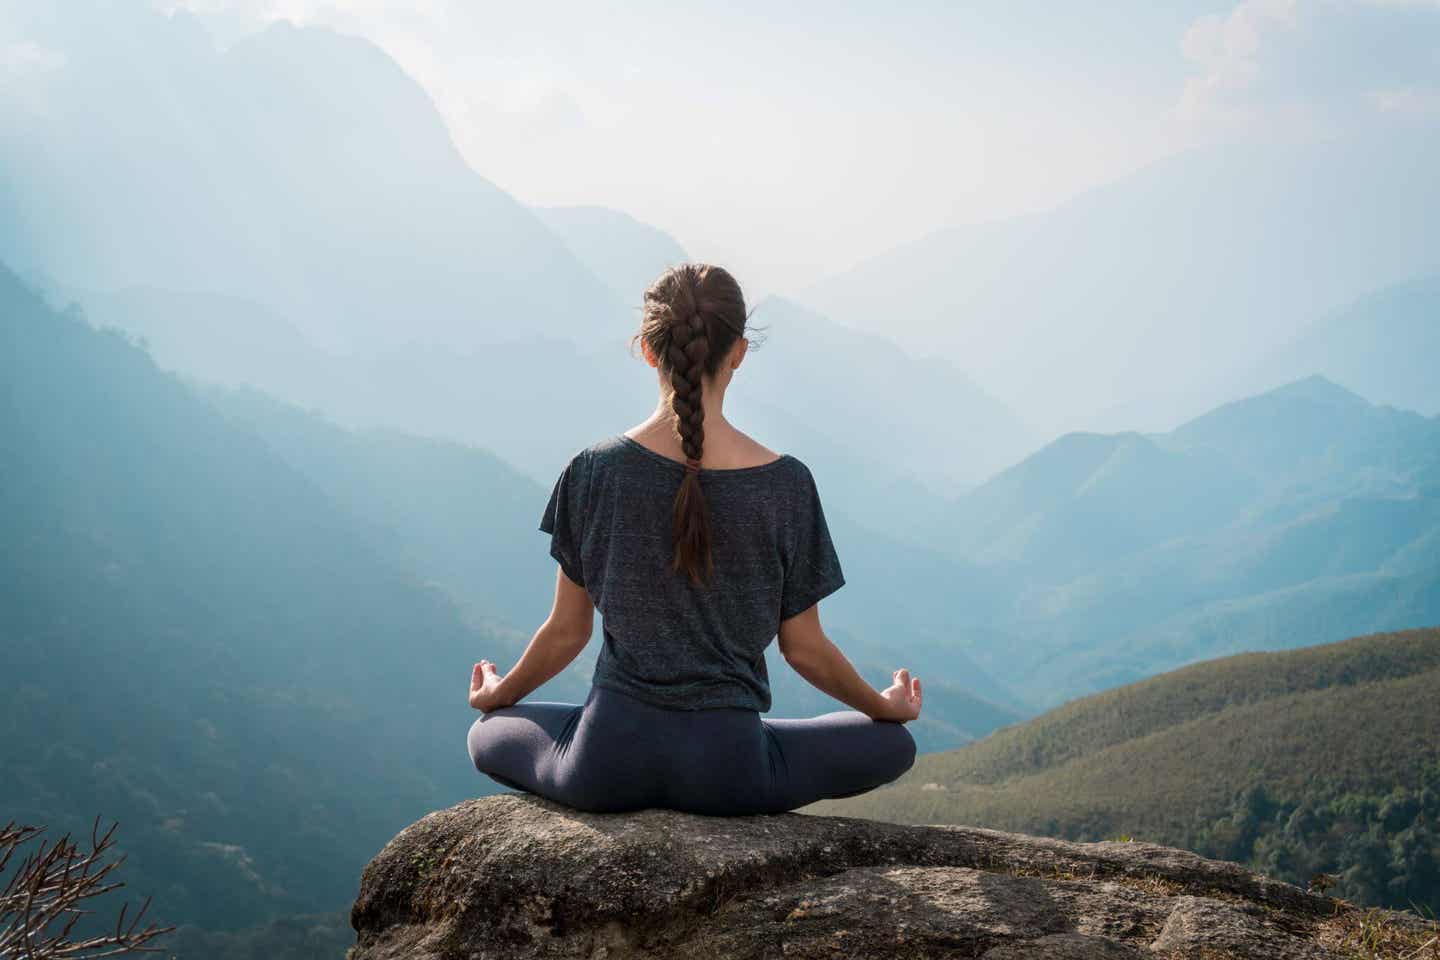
(484, 686)
(903, 696)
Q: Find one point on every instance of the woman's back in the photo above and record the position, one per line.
(667, 640)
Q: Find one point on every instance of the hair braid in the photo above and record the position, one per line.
(689, 351)
(693, 314)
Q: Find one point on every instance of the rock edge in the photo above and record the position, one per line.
(517, 876)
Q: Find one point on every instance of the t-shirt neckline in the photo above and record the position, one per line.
(705, 471)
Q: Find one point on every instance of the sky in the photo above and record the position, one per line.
(789, 142)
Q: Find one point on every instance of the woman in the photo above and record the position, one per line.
(698, 546)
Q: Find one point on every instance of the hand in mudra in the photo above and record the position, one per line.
(903, 696)
(484, 681)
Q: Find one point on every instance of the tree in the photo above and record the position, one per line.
(40, 901)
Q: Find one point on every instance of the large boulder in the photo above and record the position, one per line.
(516, 876)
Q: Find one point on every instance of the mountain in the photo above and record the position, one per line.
(291, 214)
(1120, 308)
(855, 385)
(300, 168)
(1321, 759)
(1380, 346)
(455, 517)
(445, 394)
(202, 644)
(623, 252)
(1304, 514)
(223, 339)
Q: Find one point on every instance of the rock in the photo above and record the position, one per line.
(517, 876)
(1196, 924)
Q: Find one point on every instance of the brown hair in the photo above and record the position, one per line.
(692, 315)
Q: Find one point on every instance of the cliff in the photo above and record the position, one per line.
(515, 876)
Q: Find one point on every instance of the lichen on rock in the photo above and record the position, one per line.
(517, 876)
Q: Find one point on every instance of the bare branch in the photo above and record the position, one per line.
(41, 896)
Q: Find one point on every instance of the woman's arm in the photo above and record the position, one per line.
(806, 648)
(553, 647)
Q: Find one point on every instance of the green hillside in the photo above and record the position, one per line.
(1324, 758)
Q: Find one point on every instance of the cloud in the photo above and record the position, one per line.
(1315, 62)
(1407, 100)
(1227, 48)
(29, 57)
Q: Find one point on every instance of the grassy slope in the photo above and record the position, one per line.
(1148, 758)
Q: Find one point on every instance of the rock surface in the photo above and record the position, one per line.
(516, 876)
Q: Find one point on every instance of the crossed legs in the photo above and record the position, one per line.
(615, 753)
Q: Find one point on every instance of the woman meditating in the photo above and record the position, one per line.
(698, 546)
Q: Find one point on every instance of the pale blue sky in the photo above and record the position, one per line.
(789, 141)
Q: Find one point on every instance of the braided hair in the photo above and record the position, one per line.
(692, 316)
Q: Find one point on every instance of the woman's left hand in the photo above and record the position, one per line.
(484, 684)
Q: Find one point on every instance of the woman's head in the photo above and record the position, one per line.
(693, 316)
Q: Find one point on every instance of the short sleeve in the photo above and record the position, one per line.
(813, 571)
(564, 518)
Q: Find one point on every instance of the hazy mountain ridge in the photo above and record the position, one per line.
(1342, 736)
(625, 253)
(953, 434)
(1381, 346)
(309, 228)
(448, 395)
(301, 168)
(458, 517)
(1299, 516)
(455, 516)
(1241, 248)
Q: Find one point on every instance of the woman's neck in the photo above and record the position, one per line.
(660, 428)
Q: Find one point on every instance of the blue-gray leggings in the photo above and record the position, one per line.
(614, 753)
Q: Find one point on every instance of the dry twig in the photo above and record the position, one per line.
(41, 896)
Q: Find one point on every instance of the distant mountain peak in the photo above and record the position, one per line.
(1312, 391)
(1319, 388)
(626, 253)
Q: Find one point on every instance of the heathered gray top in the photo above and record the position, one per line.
(668, 641)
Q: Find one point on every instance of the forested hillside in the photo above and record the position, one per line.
(202, 645)
(1322, 759)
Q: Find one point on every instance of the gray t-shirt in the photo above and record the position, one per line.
(668, 641)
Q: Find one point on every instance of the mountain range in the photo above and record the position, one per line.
(309, 228)
(231, 625)
(1125, 306)
(273, 478)
(1299, 516)
(1381, 346)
